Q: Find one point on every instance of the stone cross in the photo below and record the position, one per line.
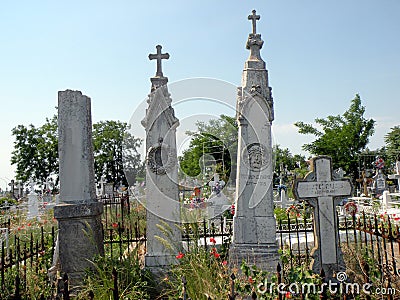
(253, 17)
(159, 56)
(32, 186)
(324, 192)
(397, 175)
(102, 185)
(364, 181)
(217, 184)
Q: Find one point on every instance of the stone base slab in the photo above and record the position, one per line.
(264, 256)
(80, 237)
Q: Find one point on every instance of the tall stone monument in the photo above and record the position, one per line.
(162, 197)
(254, 224)
(324, 191)
(78, 214)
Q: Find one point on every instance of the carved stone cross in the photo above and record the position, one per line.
(324, 191)
(364, 181)
(253, 17)
(159, 56)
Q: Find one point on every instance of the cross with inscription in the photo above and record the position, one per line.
(253, 17)
(159, 56)
(324, 192)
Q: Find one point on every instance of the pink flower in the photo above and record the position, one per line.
(224, 263)
(114, 225)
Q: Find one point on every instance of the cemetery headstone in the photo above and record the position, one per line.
(254, 224)
(380, 183)
(79, 213)
(218, 202)
(364, 180)
(33, 205)
(397, 175)
(162, 197)
(324, 192)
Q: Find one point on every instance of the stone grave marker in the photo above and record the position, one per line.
(80, 235)
(33, 205)
(380, 183)
(397, 175)
(324, 192)
(162, 195)
(218, 202)
(254, 224)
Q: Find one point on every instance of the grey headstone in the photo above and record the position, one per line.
(78, 214)
(324, 193)
(162, 198)
(254, 224)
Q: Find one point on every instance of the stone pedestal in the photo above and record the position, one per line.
(79, 239)
(78, 213)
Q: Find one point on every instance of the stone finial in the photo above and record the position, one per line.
(159, 79)
(253, 17)
(159, 56)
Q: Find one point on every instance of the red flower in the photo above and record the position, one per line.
(216, 255)
(251, 279)
(225, 263)
(288, 295)
(180, 255)
(114, 225)
(212, 240)
(29, 224)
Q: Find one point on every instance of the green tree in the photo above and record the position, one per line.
(115, 148)
(392, 143)
(343, 137)
(213, 141)
(35, 151)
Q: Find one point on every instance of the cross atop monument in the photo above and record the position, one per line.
(253, 17)
(159, 56)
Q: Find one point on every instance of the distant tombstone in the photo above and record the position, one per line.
(324, 192)
(363, 180)
(386, 199)
(102, 183)
(397, 175)
(109, 190)
(218, 202)
(380, 184)
(33, 206)
(4, 239)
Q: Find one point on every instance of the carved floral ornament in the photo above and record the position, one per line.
(160, 159)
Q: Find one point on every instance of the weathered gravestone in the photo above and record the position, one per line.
(380, 184)
(162, 198)
(397, 175)
(324, 192)
(254, 224)
(80, 235)
(33, 206)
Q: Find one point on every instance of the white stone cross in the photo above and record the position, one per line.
(159, 56)
(397, 175)
(32, 186)
(323, 192)
(253, 17)
(216, 184)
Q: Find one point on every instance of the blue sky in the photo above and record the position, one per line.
(319, 55)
